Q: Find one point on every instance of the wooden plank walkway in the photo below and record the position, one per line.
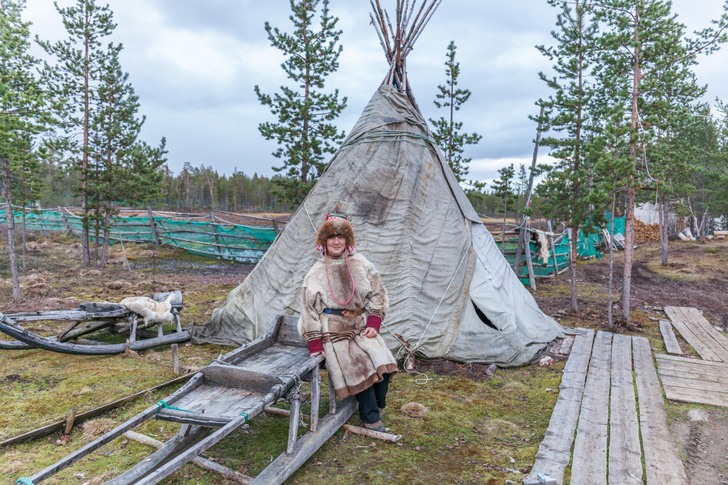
(695, 380)
(699, 333)
(600, 390)
(554, 454)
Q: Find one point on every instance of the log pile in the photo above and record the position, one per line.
(645, 232)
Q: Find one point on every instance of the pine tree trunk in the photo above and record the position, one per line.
(25, 250)
(611, 260)
(572, 266)
(629, 213)
(663, 229)
(105, 248)
(84, 160)
(10, 220)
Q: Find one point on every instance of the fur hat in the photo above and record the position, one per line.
(335, 226)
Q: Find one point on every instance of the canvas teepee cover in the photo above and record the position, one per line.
(414, 222)
(452, 293)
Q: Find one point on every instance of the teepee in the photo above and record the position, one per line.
(452, 293)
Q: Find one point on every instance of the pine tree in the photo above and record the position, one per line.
(503, 189)
(73, 80)
(565, 190)
(447, 132)
(22, 116)
(641, 47)
(115, 127)
(306, 112)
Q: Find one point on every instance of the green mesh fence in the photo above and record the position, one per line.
(588, 246)
(240, 243)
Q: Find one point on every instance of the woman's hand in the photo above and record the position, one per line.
(316, 353)
(369, 332)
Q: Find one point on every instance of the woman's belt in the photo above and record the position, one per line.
(343, 313)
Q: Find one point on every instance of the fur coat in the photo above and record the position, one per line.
(354, 362)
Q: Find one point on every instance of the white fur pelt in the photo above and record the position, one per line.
(152, 311)
(543, 247)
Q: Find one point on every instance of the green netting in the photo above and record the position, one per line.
(586, 246)
(239, 243)
(540, 268)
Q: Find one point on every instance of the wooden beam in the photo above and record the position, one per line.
(226, 472)
(662, 461)
(625, 453)
(671, 343)
(286, 464)
(589, 465)
(554, 453)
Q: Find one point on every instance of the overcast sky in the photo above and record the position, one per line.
(194, 64)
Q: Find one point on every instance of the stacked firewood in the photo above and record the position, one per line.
(645, 232)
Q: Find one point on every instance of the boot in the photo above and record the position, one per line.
(381, 413)
(378, 426)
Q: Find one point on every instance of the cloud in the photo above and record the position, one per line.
(194, 65)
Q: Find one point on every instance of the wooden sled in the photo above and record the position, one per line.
(96, 316)
(223, 396)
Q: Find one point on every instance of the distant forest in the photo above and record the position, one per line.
(203, 188)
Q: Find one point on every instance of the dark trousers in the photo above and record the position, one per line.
(371, 399)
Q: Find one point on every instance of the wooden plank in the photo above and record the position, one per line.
(228, 402)
(197, 449)
(286, 464)
(690, 360)
(694, 367)
(662, 461)
(666, 371)
(554, 452)
(689, 383)
(625, 453)
(694, 340)
(696, 396)
(566, 345)
(589, 464)
(703, 343)
(671, 343)
(697, 318)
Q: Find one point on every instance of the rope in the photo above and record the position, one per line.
(353, 285)
(294, 391)
(309, 217)
(24, 481)
(410, 351)
(162, 404)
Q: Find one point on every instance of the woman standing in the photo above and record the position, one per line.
(343, 302)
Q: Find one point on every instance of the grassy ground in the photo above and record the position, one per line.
(476, 429)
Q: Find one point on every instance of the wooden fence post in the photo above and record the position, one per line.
(553, 248)
(214, 229)
(153, 225)
(63, 219)
(529, 263)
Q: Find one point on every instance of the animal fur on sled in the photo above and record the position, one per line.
(152, 311)
(543, 247)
